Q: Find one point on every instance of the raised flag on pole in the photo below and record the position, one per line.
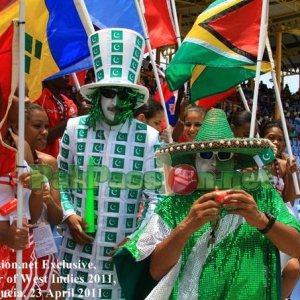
(221, 49)
(55, 41)
(123, 14)
(170, 102)
(211, 101)
(159, 18)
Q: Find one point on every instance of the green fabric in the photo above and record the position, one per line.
(138, 282)
(245, 264)
(215, 127)
(125, 106)
(208, 83)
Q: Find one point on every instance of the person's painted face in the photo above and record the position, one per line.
(275, 135)
(156, 121)
(115, 104)
(205, 165)
(108, 105)
(215, 162)
(192, 124)
(36, 129)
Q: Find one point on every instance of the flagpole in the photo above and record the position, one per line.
(21, 137)
(261, 48)
(84, 16)
(282, 117)
(175, 19)
(145, 30)
(76, 82)
(244, 100)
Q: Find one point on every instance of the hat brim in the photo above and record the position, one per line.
(88, 90)
(174, 154)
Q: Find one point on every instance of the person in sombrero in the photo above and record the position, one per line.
(121, 150)
(208, 243)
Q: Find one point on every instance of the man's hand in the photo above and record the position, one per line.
(112, 252)
(204, 210)
(76, 225)
(244, 205)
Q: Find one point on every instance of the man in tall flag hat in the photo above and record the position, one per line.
(122, 153)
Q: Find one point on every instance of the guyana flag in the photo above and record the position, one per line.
(221, 49)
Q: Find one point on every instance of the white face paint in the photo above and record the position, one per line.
(205, 165)
(108, 106)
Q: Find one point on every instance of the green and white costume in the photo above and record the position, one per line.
(122, 149)
(211, 272)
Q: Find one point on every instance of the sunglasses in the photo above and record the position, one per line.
(109, 93)
(222, 156)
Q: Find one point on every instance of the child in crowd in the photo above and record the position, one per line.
(36, 133)
(240, 123)
(11, 237)
(151, 113)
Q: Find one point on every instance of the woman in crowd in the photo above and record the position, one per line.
(282, 181)
(36, 133)
(188, 123)
(151, 113)
(240, 124)
(13, 238)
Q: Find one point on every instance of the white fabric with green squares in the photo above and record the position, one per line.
(122, 148)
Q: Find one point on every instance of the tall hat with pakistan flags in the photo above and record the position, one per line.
(117, 55)
(215, 135)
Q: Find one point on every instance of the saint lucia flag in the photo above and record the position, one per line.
(221, 49)
(55, 39)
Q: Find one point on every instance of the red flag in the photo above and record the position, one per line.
(170, 102)
(80, 76)
(7, 154)
(158, 16)
(211, 101)
(6, 65)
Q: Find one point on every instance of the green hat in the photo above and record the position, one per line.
(117, 55)
(216, 135)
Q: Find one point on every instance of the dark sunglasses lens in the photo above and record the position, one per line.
(108, 93)
(206, 155)
(122, 94)
(224, 155)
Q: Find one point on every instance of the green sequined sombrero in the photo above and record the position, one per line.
(216, 135)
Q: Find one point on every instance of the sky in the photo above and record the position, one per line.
(292, 81)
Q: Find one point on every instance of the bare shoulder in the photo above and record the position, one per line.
(47, 159)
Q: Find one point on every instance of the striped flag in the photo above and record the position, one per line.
(221, 49)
